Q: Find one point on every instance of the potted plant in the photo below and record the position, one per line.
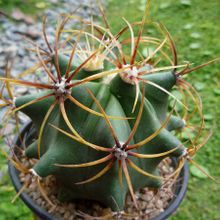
(104, 117)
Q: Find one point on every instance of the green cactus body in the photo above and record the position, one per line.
(116, 99)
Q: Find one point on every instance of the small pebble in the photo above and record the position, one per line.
(147, 196)
(159, 204)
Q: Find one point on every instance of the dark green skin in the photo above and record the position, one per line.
(117, 99)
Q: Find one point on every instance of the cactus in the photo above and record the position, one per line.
(103, 138)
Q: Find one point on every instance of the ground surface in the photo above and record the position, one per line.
(194, 26)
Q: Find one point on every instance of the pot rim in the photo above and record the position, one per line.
(180, 191)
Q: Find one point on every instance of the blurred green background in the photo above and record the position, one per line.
(194, 25)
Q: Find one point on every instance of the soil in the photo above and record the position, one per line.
(151, 202)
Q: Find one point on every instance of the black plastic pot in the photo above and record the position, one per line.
(29, 133)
